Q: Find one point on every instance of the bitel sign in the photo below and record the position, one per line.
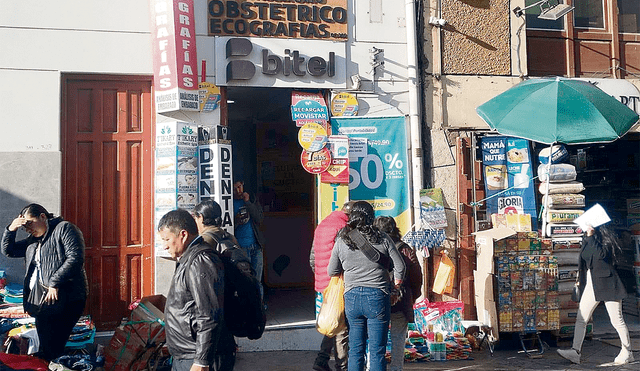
(280, 63)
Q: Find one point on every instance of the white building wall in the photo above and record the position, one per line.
(41, 40)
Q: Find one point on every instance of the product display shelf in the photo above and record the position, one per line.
(527, 281)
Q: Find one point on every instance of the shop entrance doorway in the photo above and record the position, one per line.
(266, 156)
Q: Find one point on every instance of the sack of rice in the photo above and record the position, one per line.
(556, 188)
(562, 216)
(563, 200)
(557, 173)
(559, 154)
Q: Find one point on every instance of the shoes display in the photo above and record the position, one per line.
(570, 354)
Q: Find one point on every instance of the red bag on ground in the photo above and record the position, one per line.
(21, 362)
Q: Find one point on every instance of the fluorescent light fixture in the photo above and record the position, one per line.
(550, 12)
(555, 12)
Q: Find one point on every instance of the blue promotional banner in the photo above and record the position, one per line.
(378, 164)
(508, 177)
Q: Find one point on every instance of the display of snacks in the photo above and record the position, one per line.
(527, 283)
(506, 320)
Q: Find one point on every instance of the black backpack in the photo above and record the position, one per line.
(244, 311)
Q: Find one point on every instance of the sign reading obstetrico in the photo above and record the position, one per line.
(298, 19)
(175, 66)
(279, 62)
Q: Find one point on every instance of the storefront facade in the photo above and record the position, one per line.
(481, 52)
(80, 123)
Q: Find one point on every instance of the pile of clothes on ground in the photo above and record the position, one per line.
(19, 339)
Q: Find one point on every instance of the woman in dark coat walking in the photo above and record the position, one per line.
(54, 257)
(599, 281)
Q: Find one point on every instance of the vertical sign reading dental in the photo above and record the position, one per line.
(216, 177)
(174, 55)
(508, 176)
(378, 164)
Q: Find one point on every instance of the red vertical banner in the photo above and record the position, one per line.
(175, 67)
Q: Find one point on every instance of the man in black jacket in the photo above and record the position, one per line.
(194, 308)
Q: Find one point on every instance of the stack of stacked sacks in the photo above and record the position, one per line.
(564, 204)
(564, 201)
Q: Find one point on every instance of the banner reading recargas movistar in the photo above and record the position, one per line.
(379, 169)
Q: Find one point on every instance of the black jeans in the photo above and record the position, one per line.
(54, 329)
(225, 357)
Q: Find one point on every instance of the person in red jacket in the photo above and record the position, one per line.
(323, 240)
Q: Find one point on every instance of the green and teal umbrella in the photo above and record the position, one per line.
(558, 110)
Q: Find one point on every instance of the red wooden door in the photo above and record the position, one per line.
(107, 183)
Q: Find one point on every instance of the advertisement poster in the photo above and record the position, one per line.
(432, 213)
(175, 58)
(176, 171)
(506, 164)
(316, 162)
(215, 175)
(312, 137)
(308, 107)
(344, 104)
(338, 171)
(378, 164)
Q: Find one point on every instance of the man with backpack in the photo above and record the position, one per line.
(194, 308)
(244, 314)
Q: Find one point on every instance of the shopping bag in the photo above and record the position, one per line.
(331, 317)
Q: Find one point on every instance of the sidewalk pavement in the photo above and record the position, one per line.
(596, 353)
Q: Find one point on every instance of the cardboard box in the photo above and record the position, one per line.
(566, 302)
(135, 341)
(485, 241)
(485, 303)
(633, 205)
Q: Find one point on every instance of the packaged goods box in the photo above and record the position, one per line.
(485, 241)
(135, 341)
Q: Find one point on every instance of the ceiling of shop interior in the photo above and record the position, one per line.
(259, 104)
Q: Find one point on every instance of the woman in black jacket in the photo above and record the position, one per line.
(599, 281)
(54, 257)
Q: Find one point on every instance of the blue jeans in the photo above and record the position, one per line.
(368, 312)
(254, 252)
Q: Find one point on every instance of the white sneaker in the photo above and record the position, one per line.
(623, 358)
(570, 354)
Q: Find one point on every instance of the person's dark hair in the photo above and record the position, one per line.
(607, 237)
(361, 218)
(35, 210)
(177, 220)
(388, 225)
(346, 208)
(210, 211)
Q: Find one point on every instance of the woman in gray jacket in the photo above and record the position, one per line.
(367, 285)
(54, 261)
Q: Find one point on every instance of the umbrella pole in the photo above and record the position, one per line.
(545, 212)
